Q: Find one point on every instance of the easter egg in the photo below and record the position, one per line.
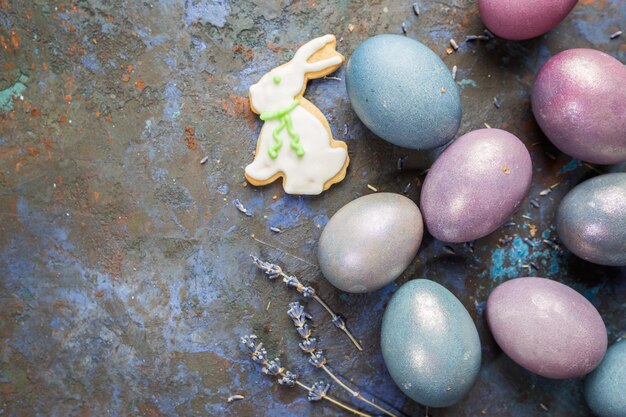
(591, 220)
(546, 327)
(403, 92)
(517, 20)
(605, 387)
(430, 344)
(475, 185)
(370, 241)
(578, 100)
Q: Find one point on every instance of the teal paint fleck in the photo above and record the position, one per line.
(467, 83)
(555, 265)
(7, 95)
(499, 268)
(175, 115)
(520, 248)
(508, 262)
(570, 166)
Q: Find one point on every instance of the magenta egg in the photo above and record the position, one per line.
(475, 185)
(578, 100)
(517, 20)
(547, 327)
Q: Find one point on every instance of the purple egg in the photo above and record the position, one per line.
(517, 20)
(578, 100)
(475, 185)
(547, 327)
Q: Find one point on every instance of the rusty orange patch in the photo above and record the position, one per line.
(15, 39)
(47, 142)
(190, 133)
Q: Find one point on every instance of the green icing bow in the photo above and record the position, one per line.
(284, 117)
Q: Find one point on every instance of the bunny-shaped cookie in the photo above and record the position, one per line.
(296, 142)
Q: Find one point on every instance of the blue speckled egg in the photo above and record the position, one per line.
(591, 219)
(403, 92)
(430, 344)
(605, 388)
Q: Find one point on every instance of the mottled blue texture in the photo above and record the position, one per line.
(132, 305)
(591, 220)
(605, 387)
(430, 344)
(403, 92)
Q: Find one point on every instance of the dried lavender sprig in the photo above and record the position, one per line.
(317, 392)
(239, 205)
(299, 316)
(274, 271)
(416, 9)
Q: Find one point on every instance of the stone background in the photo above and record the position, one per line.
(125, 277)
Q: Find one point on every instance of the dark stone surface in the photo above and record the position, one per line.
(125, 279)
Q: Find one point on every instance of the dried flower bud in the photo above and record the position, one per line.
(317, 359)
(288, 378)
(309, 345)
(304, 331)
(296, 310)
(339, 322)
(272, 368)
(307, 292)
(318, 391)
(249, 342)
(291, 281)
(299, 321)
(271, 270)
(259, 355)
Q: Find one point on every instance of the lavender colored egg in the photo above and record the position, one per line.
(578, 100)
(517, 20)
(605, 387)
(430, 344)
(591, 220)
(475, 185)
(370, 241)
(546, 327)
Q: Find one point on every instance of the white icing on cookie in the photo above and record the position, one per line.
(273, 97)
(306, 174)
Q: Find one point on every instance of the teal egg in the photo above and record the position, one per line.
(430, 344)
(403, 92)
(605, 387)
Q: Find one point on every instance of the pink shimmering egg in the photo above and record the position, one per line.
(547, 327)
(475, 185)
(578, 100)
(523, 19)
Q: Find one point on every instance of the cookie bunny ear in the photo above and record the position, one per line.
(319, 56)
